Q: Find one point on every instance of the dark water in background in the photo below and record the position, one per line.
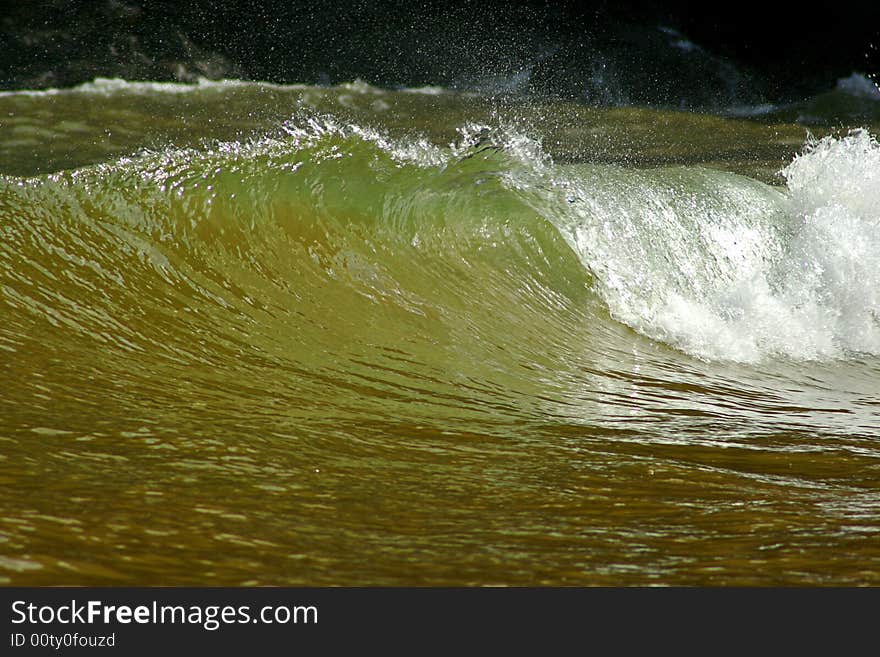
(256, 334)
(651, 52)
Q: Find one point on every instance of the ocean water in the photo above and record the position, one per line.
(262, 334)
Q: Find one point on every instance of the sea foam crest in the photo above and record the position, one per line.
(816, 294)
(724, 267)
(835, 250)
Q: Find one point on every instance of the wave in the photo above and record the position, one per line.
(719, 266)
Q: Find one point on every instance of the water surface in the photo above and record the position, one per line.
(253, 334)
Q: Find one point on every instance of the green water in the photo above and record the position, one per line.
(345, 336)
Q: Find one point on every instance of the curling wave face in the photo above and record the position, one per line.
(718, 265)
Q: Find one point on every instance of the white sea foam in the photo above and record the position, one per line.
(110, 86)
(724, 267)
